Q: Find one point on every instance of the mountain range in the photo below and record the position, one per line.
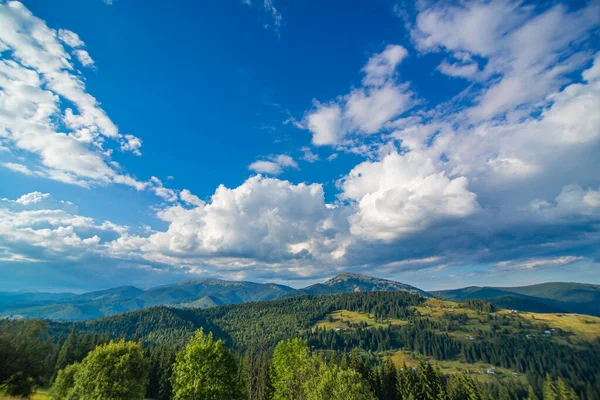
(202, 293)
(559, 297)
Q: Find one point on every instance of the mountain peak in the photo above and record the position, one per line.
(353, 282)
(346, 276)
(350, 275)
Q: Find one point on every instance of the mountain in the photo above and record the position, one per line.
(203, 293)
(224, 292)
(351, 282)
(190, 293)
(570, 297)
(24, 299)
(197, 293)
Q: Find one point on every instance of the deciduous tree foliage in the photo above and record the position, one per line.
(114, 371)
(206, 370)
(64, 384)
(335, 383)
(298, 375)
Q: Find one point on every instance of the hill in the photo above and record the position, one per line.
(201, 293)
(579, 298)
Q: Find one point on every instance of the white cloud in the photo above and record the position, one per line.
(52, 228)
(84, 58)
(263, 219)
(507, 170)
(187, 197)
(285, 161)
(381, 67)
(265, 167)
(70, 145)
(404, 193)
(460, 70)
(17, 168)
(325, 123)
(308, 155)
(132, 143)
(519, 46)
(538, 262)
(275, 166)
(32, 198)
(70, 38)
(367, 109)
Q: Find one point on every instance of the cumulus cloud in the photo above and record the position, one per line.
(404, 193)
(263, 225)
(36, 225)
(325, 123)
(364, 110)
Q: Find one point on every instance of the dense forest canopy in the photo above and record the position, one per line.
(390, 339)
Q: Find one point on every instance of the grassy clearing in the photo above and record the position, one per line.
(343, 319)
(436, 309)
(584, 327)
(37, 395)
(478, 370)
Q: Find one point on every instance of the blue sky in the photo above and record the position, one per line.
(440, 144)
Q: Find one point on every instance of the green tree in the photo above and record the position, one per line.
(335, 383)
(292, 366)
(206, 370)
(550, 389)
(463, 387)
(19, 384)
(64, 384)
(564, 392)
(113, 371)
(531, 394)
(23, 352)
(68, 351)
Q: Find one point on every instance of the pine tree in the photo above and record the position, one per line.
(68, 352)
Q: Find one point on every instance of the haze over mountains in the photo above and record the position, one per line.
(202, 293)
(581, 298)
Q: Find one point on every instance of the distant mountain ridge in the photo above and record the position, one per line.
(559, 297)
(200, 293)
(581, 298)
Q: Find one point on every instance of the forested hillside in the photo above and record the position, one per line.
(392, 340)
